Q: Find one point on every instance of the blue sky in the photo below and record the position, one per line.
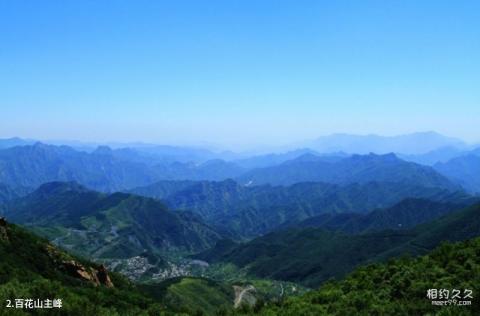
(238, 72)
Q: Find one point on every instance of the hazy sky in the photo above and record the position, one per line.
(238, 72)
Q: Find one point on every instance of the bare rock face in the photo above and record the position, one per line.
(102, 276)
(79, 271)
(3, 229)
(96, 276)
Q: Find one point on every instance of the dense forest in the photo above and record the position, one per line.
(398, 287)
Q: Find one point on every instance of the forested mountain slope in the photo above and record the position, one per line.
(398, 287)
(253, 210)
(104, 225)
(313, 255)
(405, 214)
(353, 169)
(30, 267)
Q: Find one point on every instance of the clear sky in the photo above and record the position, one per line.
(238, 72)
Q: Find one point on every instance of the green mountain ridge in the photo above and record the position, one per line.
(405, 214)
(103, 225)
(249, 211)
(311, 256)
(33, 268)
(397, 287)
(353, 169)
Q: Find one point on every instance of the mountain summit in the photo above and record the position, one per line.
(354, 169)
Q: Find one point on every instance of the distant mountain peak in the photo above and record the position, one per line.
(40, 145)
(356, 168)
(14, 142)
(388, 157)
(315, 157)
(103, 150)
(414, 143)
(373, 156)
(307, 157)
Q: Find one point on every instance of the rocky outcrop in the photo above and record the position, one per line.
(96, 276)
(102, 276)
(77, 270)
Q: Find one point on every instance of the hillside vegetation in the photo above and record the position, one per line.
(405, 214)
(30, 267)
(312, 256)
(109, 225)
(192, 295)
(249, 211)
(398, 287)
(353, 169)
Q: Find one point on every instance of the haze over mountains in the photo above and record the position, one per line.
(106, 169)
(239, 158)
(280, 220)
(353, 169)
(408, 144)
(464, 170)
(413, 144)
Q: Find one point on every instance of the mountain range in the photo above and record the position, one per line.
(313, 255)
(203, 232)
(33, 268)
(44, 270)
(353, 169)
(409, 144)
(248, 211)
(405, 214)
(103, 169)
(109, 170)
(273, 159)
(302, 216)
(101, 225)
(119, 227)
(464, 170)
(397, 287)
(31, 166)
